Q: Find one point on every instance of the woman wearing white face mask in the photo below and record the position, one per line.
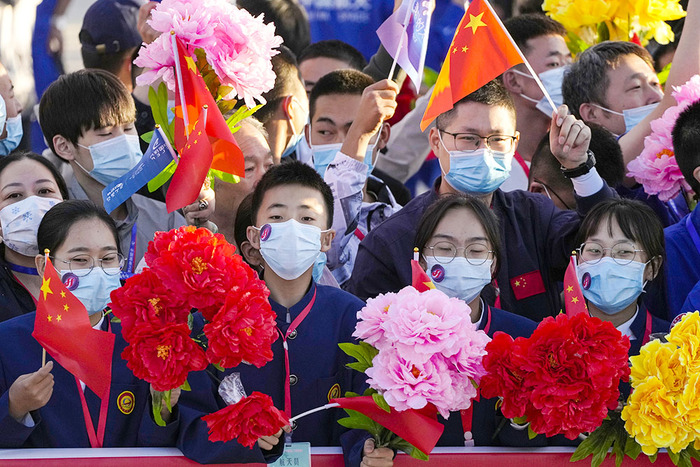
(459, 240)
(621, 253)
(47, 406)
(29, 186)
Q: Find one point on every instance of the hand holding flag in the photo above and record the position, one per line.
(30, 392)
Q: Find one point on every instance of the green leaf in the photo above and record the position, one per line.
(575, 43)
(663, 74)
(692, 452)
(351, 394)
(683, 459)
(652, 458)
(147, 137)
(530, 433)
(218, 367)
(186, 386)
(223, 176)
(166, 397)
(239, 115)
(162, 177)
(115, 320)
(401, 444)
(190, 321)
(369, 392)
(356, 420)
(674, 456)
(632, 448)
(381, 403)
(157, 405)
(603, 32)
(520, 420)
(362, 352)
(418, 454)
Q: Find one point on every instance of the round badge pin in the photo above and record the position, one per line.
(265, 231)
(334, 392)
(586, 281)
(71, 281)
(438, 273)
(125, 402)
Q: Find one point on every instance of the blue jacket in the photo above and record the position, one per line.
(60, 423)
(14, 298)
(682, 268)
(537, 241)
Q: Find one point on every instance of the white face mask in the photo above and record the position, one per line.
(459, 278)
(632, 116)
(551, 80)
(113, 158)
(93, 289)
(20, 223)
(290, 248)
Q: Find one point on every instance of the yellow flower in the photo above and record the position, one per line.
(689, 404)
(573, 15)
(660, 360)
(686, 335)
(653, 420)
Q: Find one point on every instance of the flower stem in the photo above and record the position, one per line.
(317, 409)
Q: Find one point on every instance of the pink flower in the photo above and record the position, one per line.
(192, 21)
(409, 385)
(423, 324)
(370, 319)
(689, 92)
(158, 60)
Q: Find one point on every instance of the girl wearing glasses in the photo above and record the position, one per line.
(621, 254)
(458, 237)
(48, 406)
(29, 186)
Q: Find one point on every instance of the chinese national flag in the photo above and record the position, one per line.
(227, 156)
(418, 427)
(481, 50)
(62, 327)
(573, 297)
(195, 159)
(420, 280)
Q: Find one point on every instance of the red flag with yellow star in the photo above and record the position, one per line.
(573, 297)
(481, 50)
(420, 280)
(195, 159)
(227, 156)
(62, 327)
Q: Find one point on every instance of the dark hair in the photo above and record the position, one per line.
(57, 222)
(292, 173)
(686, 143)
(243, 220)
(336, 82)
(608, 154)
(522, 28)
(82, 101)
(637, 221)
(587, 79)
(547, 169)
(108, 62)
(22, 155)
(286, 71)
(491, 93)
(440, 208)
(290, 19)
(336, 49)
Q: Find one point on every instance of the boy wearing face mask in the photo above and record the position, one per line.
(475, 142)
(88, 118)
(347, 129)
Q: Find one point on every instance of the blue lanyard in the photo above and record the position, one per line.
(693, 232)
(23, 269)
(124, 275)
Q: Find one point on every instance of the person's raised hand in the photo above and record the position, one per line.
(569, 138)
(31, 391)
(147, 33)
(266, 443)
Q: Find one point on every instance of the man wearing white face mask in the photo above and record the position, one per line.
(88, 119)
(541, 39)
(12, 134)
(346, 132)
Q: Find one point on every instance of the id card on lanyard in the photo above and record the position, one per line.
(467, 415)
(130, 259)
(285, 335)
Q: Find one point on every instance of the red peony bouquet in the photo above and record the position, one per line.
(561, 380)
(191, 268)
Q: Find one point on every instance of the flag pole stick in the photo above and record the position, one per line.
(409, 10)
(178, 75)
(43, 357)
(527, 64)
(46, 263)
(317, 409)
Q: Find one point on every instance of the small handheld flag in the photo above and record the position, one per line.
(574, 303)
(419, 279)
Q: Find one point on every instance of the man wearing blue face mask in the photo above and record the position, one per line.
(475, 142)
(87, 117)
(12, 134)
(542, 40)
(346, 132)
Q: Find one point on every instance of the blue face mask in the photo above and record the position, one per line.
(292, 145)
(632, 116)
(609, 286)
(323, 155)
(319, 266)
(113, 158)
(481, 171)
(551, 80)
(14, 135)
(94, 288)
(459, 278)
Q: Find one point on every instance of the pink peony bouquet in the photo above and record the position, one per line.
(656, 167)
(236, 46)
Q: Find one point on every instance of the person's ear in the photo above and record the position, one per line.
(40, 262)
(63, 148)
(537, 187)
(327, 239)
(653, 268)
(517, 141)
(253, 236)
(307, 133)
(493, 268)
(287, 107)
(590, 113)
(511, 81)
(383, 138)
(696, 173)
(251, 255)
(434, 140)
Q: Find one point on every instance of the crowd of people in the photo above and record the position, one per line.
(325, 217)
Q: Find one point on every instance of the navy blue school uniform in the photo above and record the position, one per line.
(60, 423)
(15, 300)
(317, 365)
(645, 324)
(537, 237)
(682, 268)
(692, 303)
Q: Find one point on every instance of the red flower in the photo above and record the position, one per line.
(505, 377)
(164, 357)
(249, 419)
(143, 303)
(199, 265)
(244, 329)
(566, 377)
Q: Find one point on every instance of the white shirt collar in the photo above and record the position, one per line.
(626, 327)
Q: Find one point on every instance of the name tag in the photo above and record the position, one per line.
(295, 455)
